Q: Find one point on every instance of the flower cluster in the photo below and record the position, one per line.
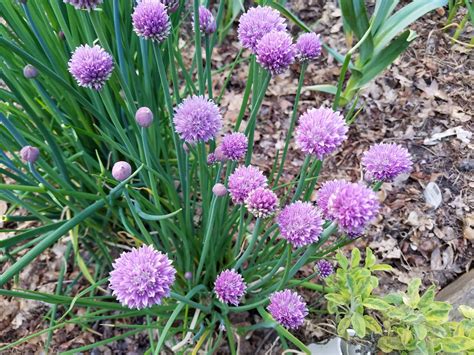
(384, 162)
(151, 20)
(234, 146)
(243, 181)
(324, 269)
(288, 308)
(262, 202)
(351, 205)
(320, 131)
(276, 52)
(207, 22)
(142, 277)
(230, 287)
(308, 46)
(300, 223)
(91, 66)
(197, 119)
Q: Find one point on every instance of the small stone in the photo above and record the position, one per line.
(433, 195)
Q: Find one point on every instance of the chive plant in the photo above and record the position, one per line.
(115, 147)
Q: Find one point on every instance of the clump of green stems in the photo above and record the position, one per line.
(167, 202)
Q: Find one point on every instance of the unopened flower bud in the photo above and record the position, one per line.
(121, 170)
(29, 154)
(144, 117)
(61, 35)
(188, 275)
(30, 72)
(219, 190)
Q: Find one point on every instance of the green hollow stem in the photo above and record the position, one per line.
(53, 237)
(249, 249)
(250, 130)
(289, 134)
(247, 92)
(207, 237)
(208, 66)
(299, 188)
(197, 44)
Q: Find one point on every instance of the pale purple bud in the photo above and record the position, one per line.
(219, 190)
(144, 117)
(29, 154)
(121, 170)
(188, 275)
(30, 72)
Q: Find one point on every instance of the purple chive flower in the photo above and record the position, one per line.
(121, 170)
(262, 202)
(29, 154)
(91, 66)
(229, 287)
(144, 117)
(257, 22)
(30, 72)
(211, 159)
(171, 5)
(288, 308)
(320, 131)
(300, 223)
(141, 277)
(151, 21)
(219, 190)
(385, 162)
(84, 4)
(353, 206)
(325, 192)
(207, 22)
(276, 52)
(308, 46)
(197, 119)
(243, 181)
(324, 268)
(234, 145)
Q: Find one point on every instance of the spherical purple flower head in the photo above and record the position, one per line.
(325, 192)
(353, 206)
(261, 202)
(288, 308)
(320, 131)
(121, 170)
(91, 66)
(144, 117)
(171, 5)
(197, 119)
(151, 21)
(207, 22)
(29, 154)
(234, 145)
(257, 22)
(30, 72)
(84, 4)
(229, 287)
(243, 181)
(276, 52)
(308, 46)
(385, 162)
(141, 277)
(300, 223)
(324, 268)
(211, 159)
(219, 190)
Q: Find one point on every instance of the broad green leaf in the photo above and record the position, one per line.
(402, 19)
(381, 267)
(384, 58)
(335, 298)
(466, 311)
(394, 298)
(420, 331)
(390, 343)
(457, 344)
(342, 260)
(369, 258)
(383, 9)
(328, 89)
(438, 313)
(372, 324)
(358, 324)
(355, 257)
(355, 15)
(343, 326)
(427, 298)
(376, 303)
(405, 335)
(414, 287)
